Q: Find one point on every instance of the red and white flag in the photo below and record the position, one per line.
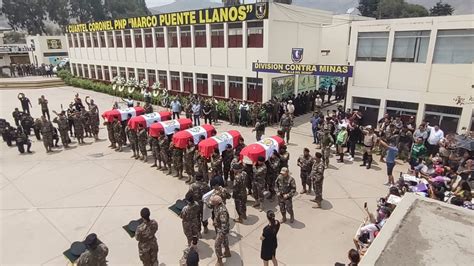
(220, 141)
(169, 127)
(264, 148)
(122, 114)
(147, 120)
(181, 138)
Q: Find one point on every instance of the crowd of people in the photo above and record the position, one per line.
(438, 167)
(24, 70)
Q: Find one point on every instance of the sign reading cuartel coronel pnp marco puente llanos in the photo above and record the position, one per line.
(203, 16)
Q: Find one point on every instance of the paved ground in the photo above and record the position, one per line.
(50, 200)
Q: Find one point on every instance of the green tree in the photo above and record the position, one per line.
(413, 10)
(87, 10)
(368, 8)
(126, 8)
(28, 15)
(388, 9)
(441, 9)
(58, 11)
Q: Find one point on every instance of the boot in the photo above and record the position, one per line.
(317, 206)
(164, 168)
(154, 165)
(119, 148)
(364, 159)
(140, 157)
(170, 171)
(292, 217)
(180, 175)
(206, 230)
(145, 158)
(256, 204)
(159, 165)
(283, 218)
(304, 189)
(239, 220)
(176, 174)
(227, 253)
(134, 155)
(369, 161)
(309, 189)
(219, 262)
(188, 180)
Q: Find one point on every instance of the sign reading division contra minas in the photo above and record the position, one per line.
(255, 11)
(303, 69)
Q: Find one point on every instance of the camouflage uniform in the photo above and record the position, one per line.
(258, 183)
(110, 133)
(147, 243)
(221, 222)
(317, 176)
(133, 139)
(78, 123)
(87, 123)
(284, 158)
(191, 224)
(189, 160)
(305, 164)
(272, 173)
(234, 161)
(326, 143)
(117, 128)
(155, 148)
(227, 157)
(232, 112)
(142, 138)
(63, 126)
(240, 194)
(178, 161)
(202, 167)
(94, 257)
(286, 185)
(198, 189)
(216, 163)
(255, 111)
(47, 133)
(94, 121)
(164, 148)
(221, 192)
(259, 130)
(148, 108)
(286, 123)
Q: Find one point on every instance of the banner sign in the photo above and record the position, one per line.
(255, 11)
(302, 69)
(54, 44)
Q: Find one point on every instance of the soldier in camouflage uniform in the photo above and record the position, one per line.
(94, 118)
(164, 149)
(202, 167)
(317, 176)
(234, 161)
(148, 108)
(286, 187)
(117, 128)
(273, 168)
(259, 129)
(147, 243)
(78, 122)
(286, 122)
(198, 189)
(326, 143)
(189, 155)
(155, 149)
(110, 133)
(254, 113)
(217, 186)
(227, 157)
(133, 139)
(190, 218)
(63, 126)
(216, 162)
(240, 192)
(284, 157)
(142, 139)
(221, 222)
(95, 254)
(170, 157)
(305, 162)
(47, 131)
(258, 182)
(87, 122)
(232, 111)
(178, 161)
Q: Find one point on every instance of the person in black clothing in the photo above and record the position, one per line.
(207, 110)
(355, 134)
(25, 102)
(269, 239)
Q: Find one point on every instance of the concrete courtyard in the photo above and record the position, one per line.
(49, 201)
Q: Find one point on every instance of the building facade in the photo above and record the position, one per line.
(47, 49)
(414, 67)
(213, 59)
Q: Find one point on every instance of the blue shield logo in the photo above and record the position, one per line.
(297, 55)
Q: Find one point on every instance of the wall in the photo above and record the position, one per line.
(41, 47)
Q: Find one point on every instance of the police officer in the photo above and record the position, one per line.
(286, 187)
(286, 122)
(189, 161)
(239, 193)
(63, 127)
(117, 128)
(47, 133)
(259, 129)
(164, 149)
(221, 222)
(142, 140)
(198, 189)
(305, 162)
(317, 176)
(227, 157)
(147, 242)
(190, 218)
(258, 182)
(95, 254)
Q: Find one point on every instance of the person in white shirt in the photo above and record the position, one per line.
(291, 108)
(432, 143)
(318, 103)
(129, 101)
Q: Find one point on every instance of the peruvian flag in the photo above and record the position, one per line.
(147, 119)
(168, 127)
(122, 114)
(181, 138)
(207, 146)
(264, 147)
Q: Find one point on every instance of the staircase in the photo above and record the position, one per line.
(30, 83)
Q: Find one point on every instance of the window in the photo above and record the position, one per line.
(106, 73)
(94, 40)
(148, 38)
(88, 40)
(141, 74)
(217, 35)
(102, 39)
(99, 73)
(151, 76)
(163, 78)
(131, 72)
(411, 46)
(128, 38)
(255, 34)
(236, 87)
(202, 84)
(446, 117)
(118, 38)
(76, 40)
(188, 82)
(92, 67)
(218, 85)
(110, 39)
(114, 71)
(70, 39)
(73, 68)
(81, 40)
(172, 37)
(454, 47)
(200, 36)
(185, 35)
(372, 46)
(122, 72)
(79, 68)
(254, 90)
(86, 71)
(235, 35)
(175, 81)
(397, 108)
(160, 37)
(138, 38)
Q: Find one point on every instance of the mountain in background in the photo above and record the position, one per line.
(336, 6)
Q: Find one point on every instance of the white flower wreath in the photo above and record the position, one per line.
(117, 82)
(131, 84)
(143, 85)
(156, 89)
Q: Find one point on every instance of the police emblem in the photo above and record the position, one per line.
(260, 10)
(297, 55)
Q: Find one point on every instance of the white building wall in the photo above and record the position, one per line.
(41, 47)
